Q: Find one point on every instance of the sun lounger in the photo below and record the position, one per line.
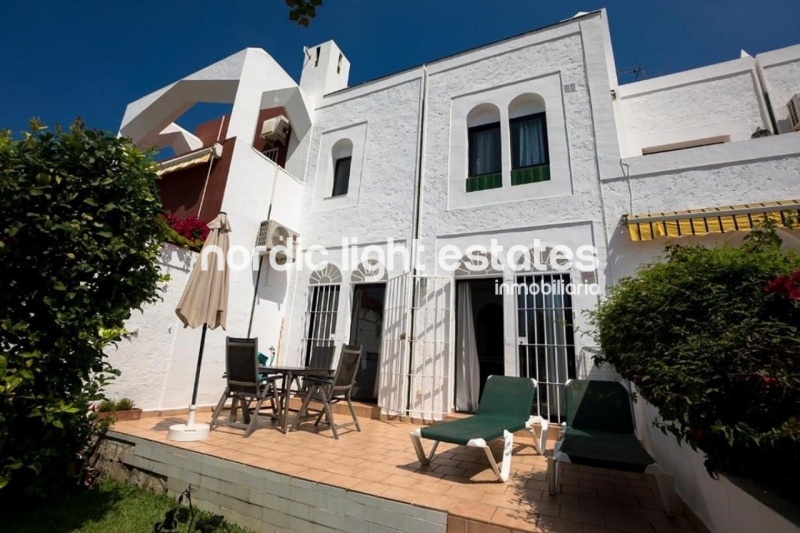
(505, 407)
(600, 433)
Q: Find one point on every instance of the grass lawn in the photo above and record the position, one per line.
(110, 507)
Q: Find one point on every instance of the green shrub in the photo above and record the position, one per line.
(708, 340)
(79, 245)
(106, 406)
(123, 404)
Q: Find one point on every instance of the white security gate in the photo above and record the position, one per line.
(431, 348)
(393, 379)
(546, 339)
(416, 361)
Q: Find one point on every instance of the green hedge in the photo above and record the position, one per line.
(708, 340)
(79, 245)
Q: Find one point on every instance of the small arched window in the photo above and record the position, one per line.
(530, 158)
(483, 148)
(342, 154)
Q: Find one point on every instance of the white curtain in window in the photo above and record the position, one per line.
(486, 151)
(529, 139)
(468, 369)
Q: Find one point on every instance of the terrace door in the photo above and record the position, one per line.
(480, 345)
(366, 329)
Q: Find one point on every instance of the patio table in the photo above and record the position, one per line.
(290, 373)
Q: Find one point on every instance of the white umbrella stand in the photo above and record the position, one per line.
(204, 302)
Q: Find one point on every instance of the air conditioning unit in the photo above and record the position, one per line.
(275, 129)
(272, 235)
(794, 112)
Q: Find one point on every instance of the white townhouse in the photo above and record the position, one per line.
(526, 141)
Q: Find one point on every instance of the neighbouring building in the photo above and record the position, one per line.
(530, 139)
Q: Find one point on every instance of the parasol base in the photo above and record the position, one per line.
(184, 433)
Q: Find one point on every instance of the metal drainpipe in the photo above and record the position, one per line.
(415, 228)
(763, 85)
(261, 259)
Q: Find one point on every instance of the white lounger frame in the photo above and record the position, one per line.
(502, 472)
(665, 481)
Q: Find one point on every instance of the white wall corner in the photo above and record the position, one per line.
(325, 70)
(602, 79)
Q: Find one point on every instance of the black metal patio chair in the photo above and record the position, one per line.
(244, 385)
(331, 390)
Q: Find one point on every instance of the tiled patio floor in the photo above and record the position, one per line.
(380, 461)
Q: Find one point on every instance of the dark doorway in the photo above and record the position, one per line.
(366, 330)
(486, 310)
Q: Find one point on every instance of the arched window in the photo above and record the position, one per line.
(328, 274)
(478, 264)
(321, 315)
(483, 148)
(342, 154)
(530, 158)
(370, 271)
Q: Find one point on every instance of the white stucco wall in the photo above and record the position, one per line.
(158, 362)
(382, 121)
(781, 73)
(718, 100)
(720, 504)
(566, 210)
(756, 170)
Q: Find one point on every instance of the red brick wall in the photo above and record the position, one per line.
(182, 190)
(258, 142)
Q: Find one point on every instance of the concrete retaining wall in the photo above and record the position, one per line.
(259, 499)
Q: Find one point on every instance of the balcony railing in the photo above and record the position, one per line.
(272, 154)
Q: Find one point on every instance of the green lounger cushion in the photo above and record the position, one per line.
(600, 427)
(600, 405)
(505, 405)
(604, 449)
(486, 427)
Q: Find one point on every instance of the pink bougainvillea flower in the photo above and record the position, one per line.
(777, 285)
(191, 227)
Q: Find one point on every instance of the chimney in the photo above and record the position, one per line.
(325, 70)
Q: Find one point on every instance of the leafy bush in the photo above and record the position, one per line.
(710, 337)
(79, 246)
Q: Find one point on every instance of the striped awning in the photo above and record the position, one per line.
(646, 227)
(189, 160)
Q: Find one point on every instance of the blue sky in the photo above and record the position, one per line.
(89, 58)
